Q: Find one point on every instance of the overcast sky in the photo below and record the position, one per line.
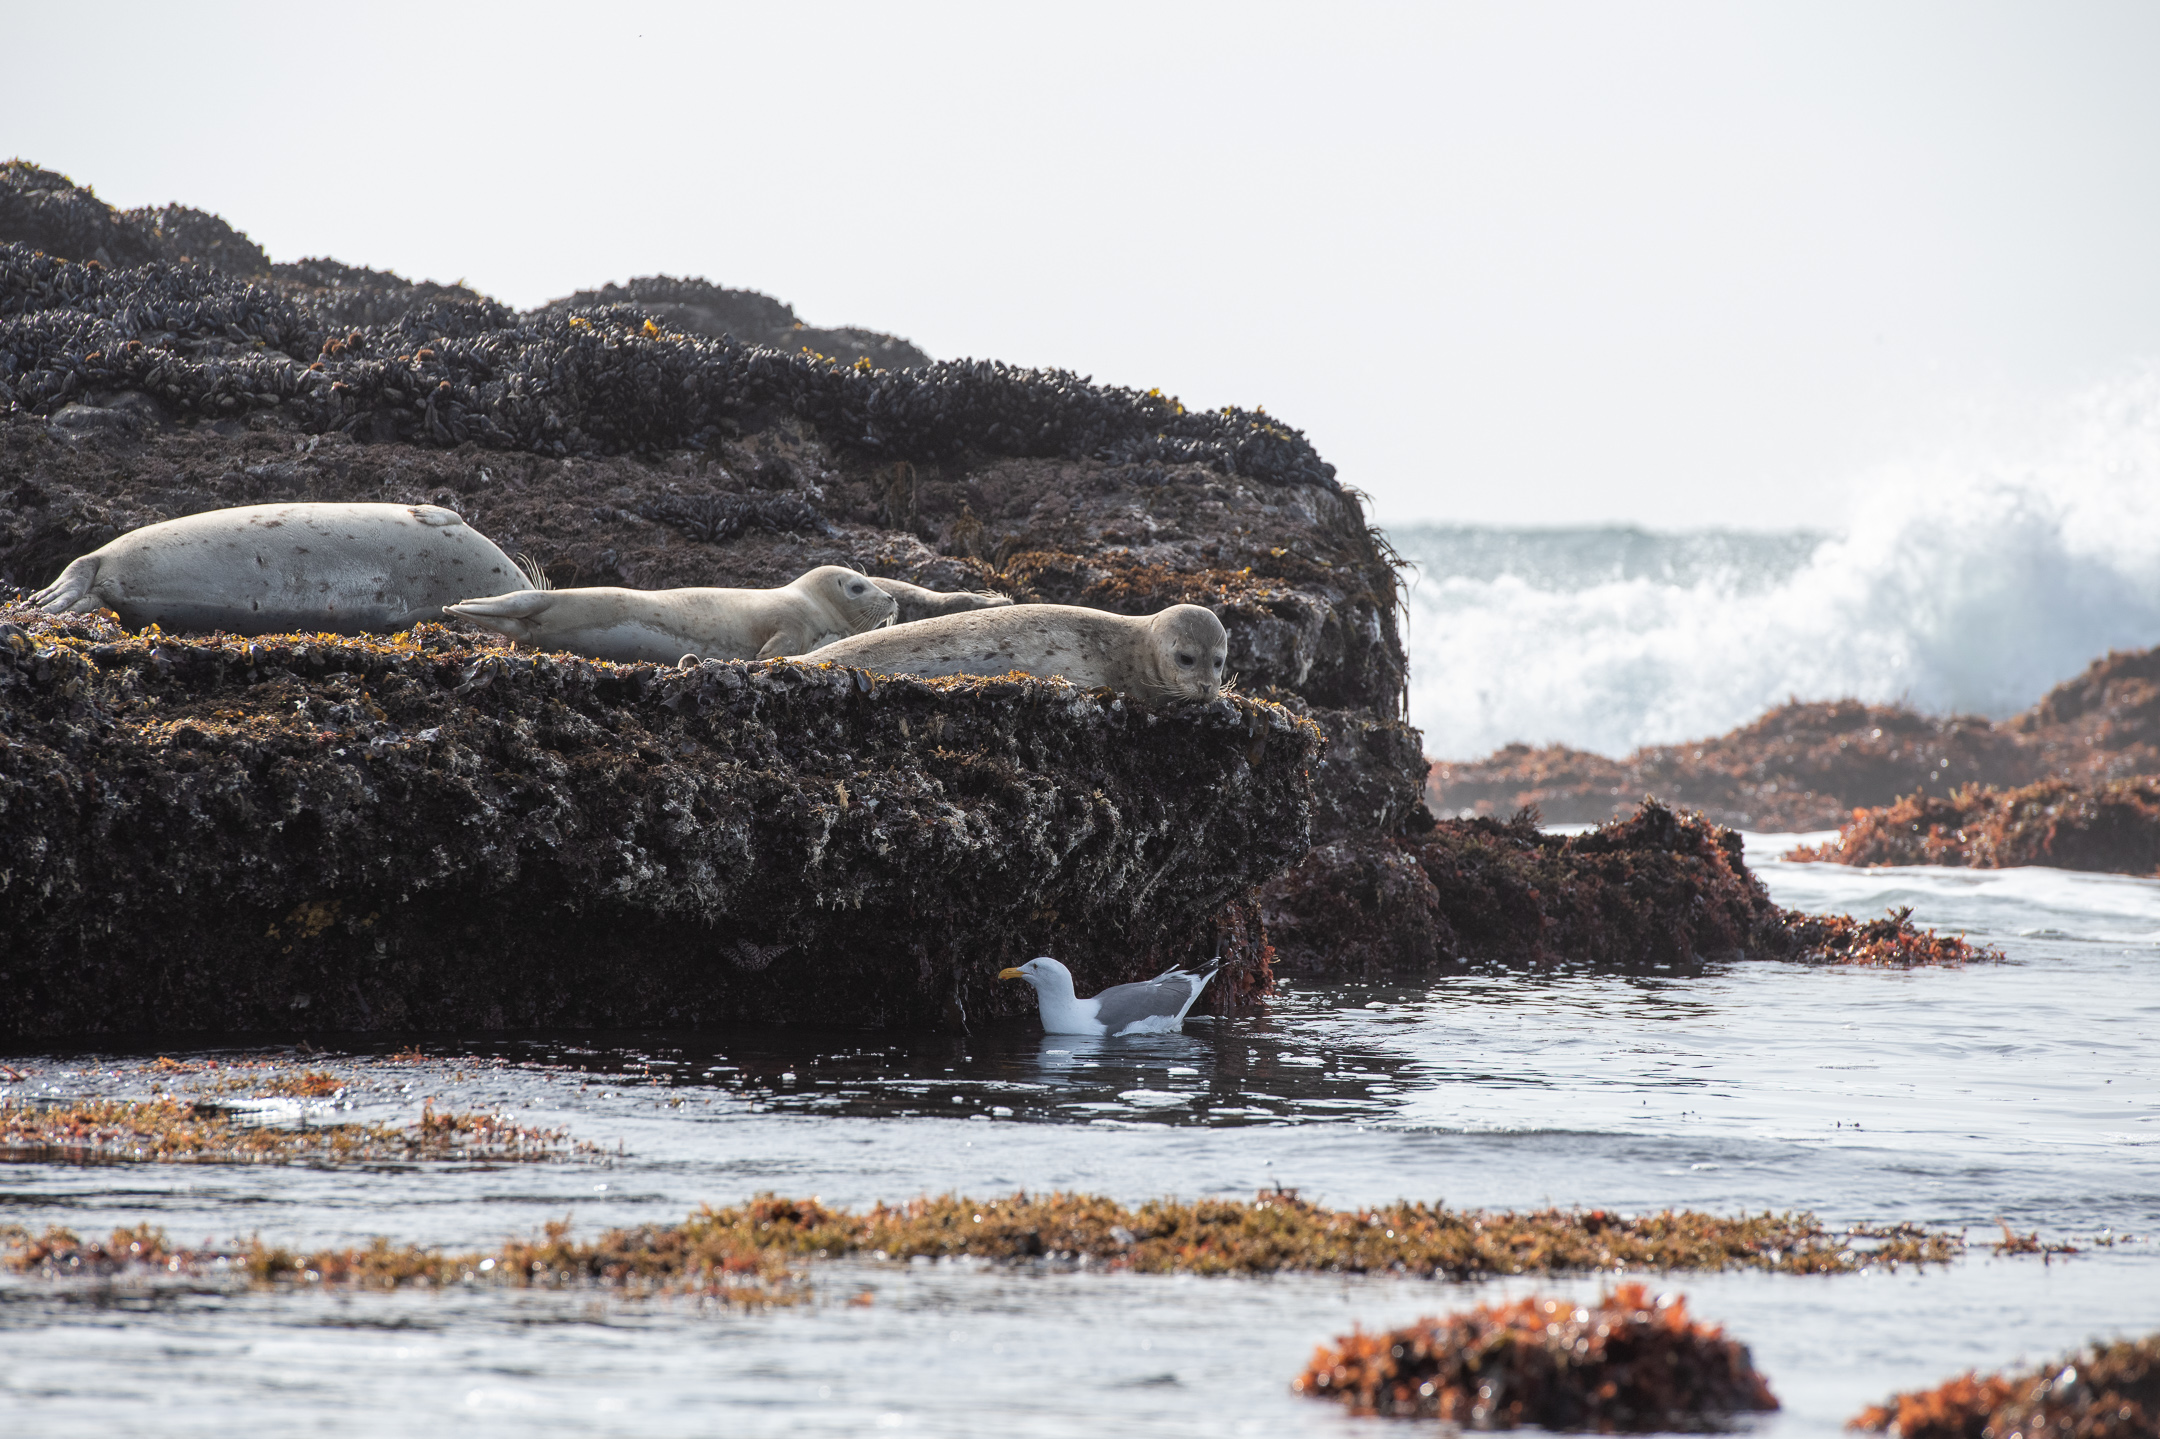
(1675, 264)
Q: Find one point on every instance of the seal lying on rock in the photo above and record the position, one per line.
(1177, 654)
(917, 603)
(269, 569)
(606, 623)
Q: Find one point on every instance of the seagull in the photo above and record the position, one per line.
(1153, 1006)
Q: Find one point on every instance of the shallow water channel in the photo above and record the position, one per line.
(2025, 1093)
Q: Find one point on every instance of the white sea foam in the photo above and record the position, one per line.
(1968, 584)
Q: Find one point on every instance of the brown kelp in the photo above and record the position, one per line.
(170, 1129)
(2111, 826)
(2108, 1390)
(1807, 766)
(1276, 1232)
(1628, 1364)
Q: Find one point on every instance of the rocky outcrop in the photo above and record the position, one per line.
(1809, 766)
(2112, 826)
(581, 827)
(1658, 889)
(699, 307)
(342, 834)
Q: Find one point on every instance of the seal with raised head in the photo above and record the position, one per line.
(917, 603)
(1176, 654)
(665, 626)
(269, 569)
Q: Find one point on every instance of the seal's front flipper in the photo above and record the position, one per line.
(505, 614)
(775, 648)
(73, 592)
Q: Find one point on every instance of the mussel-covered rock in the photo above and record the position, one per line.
(341, 834)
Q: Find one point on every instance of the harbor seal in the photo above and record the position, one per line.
(1176, 654)
(664, 626)
(917, 603)
(270, 569)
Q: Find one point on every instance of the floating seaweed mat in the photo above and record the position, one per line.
(173, 1130)
(643, 1261)
(2107, 1391)
(768, 1239)
(1630, 1364)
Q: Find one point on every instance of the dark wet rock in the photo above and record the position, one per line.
(1658, 889)
(303, 832)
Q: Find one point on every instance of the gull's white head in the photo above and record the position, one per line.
(1044, 973)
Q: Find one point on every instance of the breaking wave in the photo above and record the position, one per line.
(1967, 585)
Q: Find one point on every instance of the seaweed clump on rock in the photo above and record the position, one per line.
(2107, 1391)
(2113, 826)
(1630, 1364)
(1659, 888)
(1807, 766)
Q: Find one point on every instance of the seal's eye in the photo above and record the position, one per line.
(1185, 662)
(855, 589)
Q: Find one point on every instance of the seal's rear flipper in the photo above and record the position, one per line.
(73, 592)
(505, 614)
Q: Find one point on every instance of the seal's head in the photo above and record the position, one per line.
(857, 603)
(1191, 647)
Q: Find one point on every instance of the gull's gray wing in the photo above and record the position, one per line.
(1163, 997)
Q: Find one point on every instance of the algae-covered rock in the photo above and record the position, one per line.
(2112, 826)
(1808, 765)
(336, 834)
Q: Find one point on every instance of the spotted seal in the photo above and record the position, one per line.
(606, 623)
(1176, 654)
(269, 569)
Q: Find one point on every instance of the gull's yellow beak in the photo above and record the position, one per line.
(1010, 974)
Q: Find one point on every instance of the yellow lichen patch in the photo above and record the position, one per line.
(313, 916)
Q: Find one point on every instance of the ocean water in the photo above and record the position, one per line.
(1970, 583)
(2024, 1093)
